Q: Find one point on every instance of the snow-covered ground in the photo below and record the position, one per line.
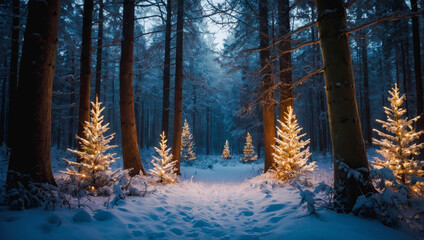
(215, 199)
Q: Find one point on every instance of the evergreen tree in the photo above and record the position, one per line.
(93, 169)
(187, 143)
(249, 150)
(226, 153)
(290, 161)
(397, 144)
(164, 166)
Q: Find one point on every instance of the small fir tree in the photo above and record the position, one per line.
(226, 153)
(290, 161)
(248, 150)
(93, 171)
(187, 144)
(397, 144)
(163, 170)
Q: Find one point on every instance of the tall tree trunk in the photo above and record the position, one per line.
(3, 110)
(141, 141)
(268, 94)
(345, 128)
(286, 91)
(130, 152)
(418, 73)
(33, 109)
(364, 50)
(406, 76)
(194, 128)
(71, 133)
(13, 83)
(178, 104)
(99, 51)
(207, 130)
(85, 69)
(167, 70)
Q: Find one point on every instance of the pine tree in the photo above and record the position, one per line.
(290, 161)
(249, 151)
(164, 166)
(397, 145)
(226, 153)
(187, 143)
(93, 170)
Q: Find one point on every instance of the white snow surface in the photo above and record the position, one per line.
(215, 199)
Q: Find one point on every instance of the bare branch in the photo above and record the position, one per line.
(390, 17)
(283, 38)
(158, 31)
(306, 77)
(289, 51)
(350, 3)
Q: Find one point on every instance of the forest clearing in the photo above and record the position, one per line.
(211, 119)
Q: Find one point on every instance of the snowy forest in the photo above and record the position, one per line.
(212, 119)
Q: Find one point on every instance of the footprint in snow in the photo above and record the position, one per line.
(154, 217)
(130, 226)
(246, 213)
(134, 219)
(177, 231)
(160, 209)
(275, 219)
(201, 224)
(122, 209)
(274, 207)
(137, 233)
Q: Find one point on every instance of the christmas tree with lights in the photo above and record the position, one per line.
(163, 170)
(291, 154)
(187, 144)
(92, 170)
(398, 145)
(248, 150)
(226, 153)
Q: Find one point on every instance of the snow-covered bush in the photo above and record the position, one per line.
(163, 170)
(398, 144)
(249, 150)
(226, 152)
(389, 203)
(26, 194)
(92, 171)
(187, 143)
(291, 154)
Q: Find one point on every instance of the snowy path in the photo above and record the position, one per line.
(218, 204)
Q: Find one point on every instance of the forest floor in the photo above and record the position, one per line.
(214, 199)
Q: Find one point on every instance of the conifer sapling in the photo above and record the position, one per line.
(248, 150)
(93, 170)
(291, 154)
(187, 144)
(397, 145)
(226, 153)
(163, 170)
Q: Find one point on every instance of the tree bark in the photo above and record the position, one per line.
(3, 108)
(167, 69)
(99, 51)
(418, 73)
(406, 74)
(268, 94)
(13, 83)
(286, 91)
(33, 109)
(130, 152)
(85, 69)
(178, 105)
(364, 50)
(345, 128)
